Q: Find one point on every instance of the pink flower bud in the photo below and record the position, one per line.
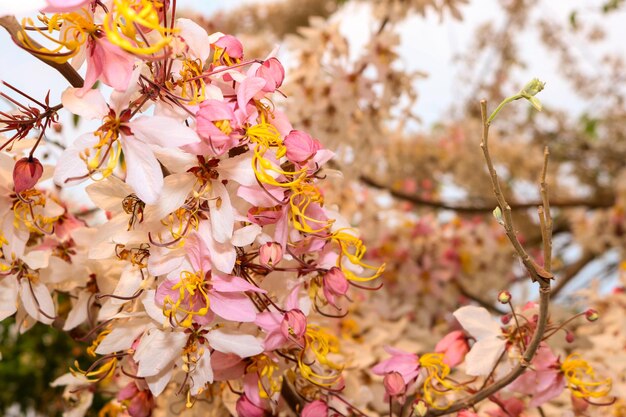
(316, 408)
(300, 146)
(246, 408)
(504, 297)
(273, 73)
(592, 315)
(335, 285)
(293, 324)
(231, 45)
(454, 347)
(394, 384)
(506, 319)
(569, 337)
(26, 173)
(270, 254)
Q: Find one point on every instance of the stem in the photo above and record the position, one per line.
(537, 273)
(12, 26)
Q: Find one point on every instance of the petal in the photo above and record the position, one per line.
(121, 337)
(36, 298)
(232, 306)
(233, 284)
(90, 105)
(70, 165)
(483, 356)
(163, 131)
(222, 217)
(157, 350)
(477, 321)
(203, 373)
(196, 38)
(248, 89)
(243, 345)
(176, 188)
(143, 172)
(8, 296)
(79, 311)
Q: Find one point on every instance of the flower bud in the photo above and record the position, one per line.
(316, 408)
(394, 384)
(270, 254)
(591, 315)
(26, 173)
(506, 318)
(530, 90)
(293, 324)
(420, 409)
(273, 73)
(569, 337)
(246, 408)
(504, 297)
(335, 284)
(454, 347)
(300, 146)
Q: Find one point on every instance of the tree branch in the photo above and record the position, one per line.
(12, 26)
(486, 208)
(537, 273)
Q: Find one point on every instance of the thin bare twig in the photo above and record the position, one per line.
(537, 273)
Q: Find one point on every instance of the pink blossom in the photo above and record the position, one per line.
(273, 73)
(270, 254)
(394, 384)
(406, 364)
(246, 408)
(334, 284)
(215, 123)
(300, 146)
(109, 64)
(543, 380)
(293, 324)
(140, 402)
(317, 408)
(26, 173)
(231, 45)
(466, 413)
(454, 346)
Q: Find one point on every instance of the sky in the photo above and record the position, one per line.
(427, 45)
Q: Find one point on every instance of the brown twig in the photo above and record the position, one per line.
(483, 208)
(12, 26)
(537, 273)
(483, 303)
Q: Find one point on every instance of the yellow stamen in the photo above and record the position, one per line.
(319, 343)
(124, 26)
(353, 249)
(189, 284)
(435, 385)
(581, 378)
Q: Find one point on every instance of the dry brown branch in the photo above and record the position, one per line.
(486, 208)
(537, 273)
(12, 26)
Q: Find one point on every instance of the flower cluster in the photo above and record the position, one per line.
(219, 265)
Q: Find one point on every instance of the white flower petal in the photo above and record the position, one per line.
(196, 38)
(121, 337)
(158, 350)
(222, 218)
(109, 193)
(157, 383)
(143, 172)
(246, 235)
(79, 311)
(478, 322)
(163, 131)
(36, 300)
(242, 345)
(483, 356)
(176, 188)
(8, 296)
(238, 169)
(203, 373)
(70, 165)
(90, 105)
